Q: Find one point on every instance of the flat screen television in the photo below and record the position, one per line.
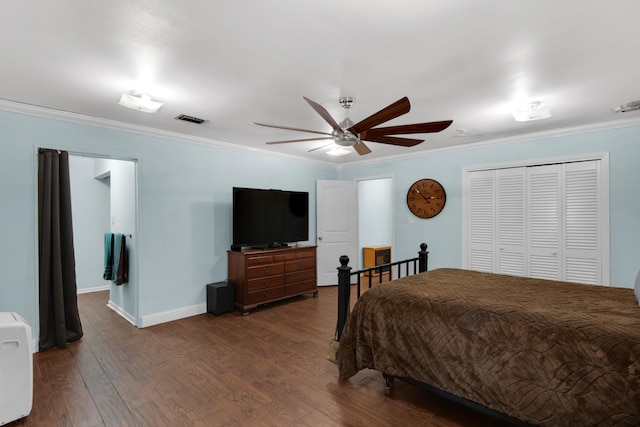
(269, 218)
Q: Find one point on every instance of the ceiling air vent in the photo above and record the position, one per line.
(191, 119)
(631, 106)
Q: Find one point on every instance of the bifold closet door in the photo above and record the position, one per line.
(543, 221)
(511, 221)
(480, 221)
(583, 218)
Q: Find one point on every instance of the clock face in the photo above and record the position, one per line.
(426, 198)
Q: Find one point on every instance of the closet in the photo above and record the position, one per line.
(546, 221)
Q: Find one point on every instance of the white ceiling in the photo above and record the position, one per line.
(232, 62)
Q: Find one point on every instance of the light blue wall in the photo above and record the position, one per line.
(184, 206)
(443, 233)
(91, 212)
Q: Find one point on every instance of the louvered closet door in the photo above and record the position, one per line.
(547, 221)
(480, 220)
(582, 214)
(511, 221)
(544, 222)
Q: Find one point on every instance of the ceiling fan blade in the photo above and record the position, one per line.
(324, 113)
(431, 127)
(290, 128)
(298, 140)
(392, 140)
(361, 148)
(318, 148)
(398, 108)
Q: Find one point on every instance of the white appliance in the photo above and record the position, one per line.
(16, 368)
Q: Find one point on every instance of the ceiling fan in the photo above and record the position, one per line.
(348, 134)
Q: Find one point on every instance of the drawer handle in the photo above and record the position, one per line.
(268, 281)
(266, 270)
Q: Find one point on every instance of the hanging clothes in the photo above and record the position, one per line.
(120, 269)
(108, 257)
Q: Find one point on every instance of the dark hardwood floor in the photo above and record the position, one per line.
(268, 368)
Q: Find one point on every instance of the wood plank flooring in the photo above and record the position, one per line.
(265, 369)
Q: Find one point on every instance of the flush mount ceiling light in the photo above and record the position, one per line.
(140, 101)
(532, 111)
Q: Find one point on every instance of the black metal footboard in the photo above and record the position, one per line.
(344, 279)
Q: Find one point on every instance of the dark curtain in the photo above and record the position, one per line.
(59, 316)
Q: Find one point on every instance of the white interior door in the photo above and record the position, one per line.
(337, 227)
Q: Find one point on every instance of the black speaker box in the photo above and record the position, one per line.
(220, 298)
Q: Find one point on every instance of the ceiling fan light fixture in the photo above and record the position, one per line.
(532, 111)
(139, 101)
(337, 151)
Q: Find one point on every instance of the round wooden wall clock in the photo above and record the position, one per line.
(426, 198)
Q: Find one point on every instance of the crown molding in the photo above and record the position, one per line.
(49, 113)
(552, 133)
(44, 112)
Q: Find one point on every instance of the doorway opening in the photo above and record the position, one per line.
(104, 200)
(375, 214)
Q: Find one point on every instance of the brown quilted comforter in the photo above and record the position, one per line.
(545, 352)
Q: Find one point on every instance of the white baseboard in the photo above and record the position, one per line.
(168, 316)
(94, 289)
(129, 318)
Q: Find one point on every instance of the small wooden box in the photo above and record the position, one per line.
(376, 255)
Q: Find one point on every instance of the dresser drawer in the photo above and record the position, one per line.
(265, 270)
(299, 276)
(264, 295)
(300, 264)
(306, 253)
(298, 288)
(259, 260)
(264, 282)
(284, 257)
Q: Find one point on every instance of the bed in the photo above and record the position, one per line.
(538, 351)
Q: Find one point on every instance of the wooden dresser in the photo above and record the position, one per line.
(266, 275)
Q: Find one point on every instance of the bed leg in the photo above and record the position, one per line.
(388, 379)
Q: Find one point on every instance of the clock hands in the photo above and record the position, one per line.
(423, 196)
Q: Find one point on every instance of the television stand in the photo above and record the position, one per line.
(271, 274)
